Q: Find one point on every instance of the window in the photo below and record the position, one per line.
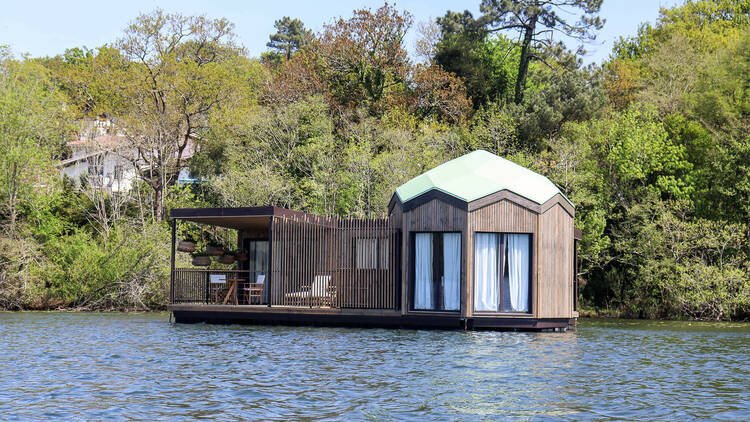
(257, 252)
(502, 267)
(118, 172)
(437, 271)
(371, 253)
(257, 263)
(367, 254)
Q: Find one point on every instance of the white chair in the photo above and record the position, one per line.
(255, 290)
(320, 293)
(217, 284)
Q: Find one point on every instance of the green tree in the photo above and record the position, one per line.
(93, 79)
(33, 130)
(184, 68)
(535, 19)
(572, 95)
(284, 157)
(290, 36)
(488, 63)
(364, 58)
(694, 66)
(615, 168)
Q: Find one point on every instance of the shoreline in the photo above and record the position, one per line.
(88, 311)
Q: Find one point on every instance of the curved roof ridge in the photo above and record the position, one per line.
(477, 174)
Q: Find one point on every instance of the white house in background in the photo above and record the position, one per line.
(104, 162)
(102, 156)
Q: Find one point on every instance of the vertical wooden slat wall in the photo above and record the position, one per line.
(308, 246)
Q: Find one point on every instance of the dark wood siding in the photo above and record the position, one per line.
(555, 264)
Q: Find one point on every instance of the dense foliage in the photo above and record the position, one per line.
(652, 146)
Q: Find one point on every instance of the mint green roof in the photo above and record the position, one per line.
(478, 174)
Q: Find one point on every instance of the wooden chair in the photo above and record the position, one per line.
(254, 291)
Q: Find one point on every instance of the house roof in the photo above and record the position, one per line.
(478, 174)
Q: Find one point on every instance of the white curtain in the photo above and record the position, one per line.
(486, 277)
(423, 271)
(451, 271)
(518, 271)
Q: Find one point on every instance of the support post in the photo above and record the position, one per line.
(269, 276)
(171, 263)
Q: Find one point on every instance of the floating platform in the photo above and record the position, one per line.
(365, 318)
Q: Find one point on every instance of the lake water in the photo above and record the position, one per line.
(139, 366)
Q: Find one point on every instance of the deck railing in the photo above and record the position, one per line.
(343, 288)
(196, 285)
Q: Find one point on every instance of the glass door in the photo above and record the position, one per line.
(437, 271)
(257, 263)
(502, 272)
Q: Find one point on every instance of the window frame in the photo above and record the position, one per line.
(437, 292)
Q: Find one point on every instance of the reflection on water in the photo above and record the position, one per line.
(94, 366)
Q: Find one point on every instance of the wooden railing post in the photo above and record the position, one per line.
(208, 286)
(271, 268)
(171, 262)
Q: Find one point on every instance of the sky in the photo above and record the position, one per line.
(42, 28)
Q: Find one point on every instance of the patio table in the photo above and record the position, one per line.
(232, 292)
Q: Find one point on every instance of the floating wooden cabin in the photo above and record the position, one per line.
(476, 243)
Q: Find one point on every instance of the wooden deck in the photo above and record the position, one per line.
(371, 318)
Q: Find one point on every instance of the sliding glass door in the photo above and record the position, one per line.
(257, 263)
(437, 271)
(502, 272)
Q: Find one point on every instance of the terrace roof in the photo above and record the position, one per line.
(233, 218)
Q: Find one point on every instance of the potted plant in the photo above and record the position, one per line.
(186, 245)
(227, 258)
(214, 250)
(201, 260)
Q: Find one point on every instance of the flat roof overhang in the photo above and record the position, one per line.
(243, 218)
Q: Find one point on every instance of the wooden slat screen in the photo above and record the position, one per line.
(314, 263)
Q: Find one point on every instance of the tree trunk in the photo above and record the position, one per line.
(523, 63)
(158, 202)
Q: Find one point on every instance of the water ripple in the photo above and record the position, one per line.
(138, 366)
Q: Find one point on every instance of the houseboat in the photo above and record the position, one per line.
(478, 242)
